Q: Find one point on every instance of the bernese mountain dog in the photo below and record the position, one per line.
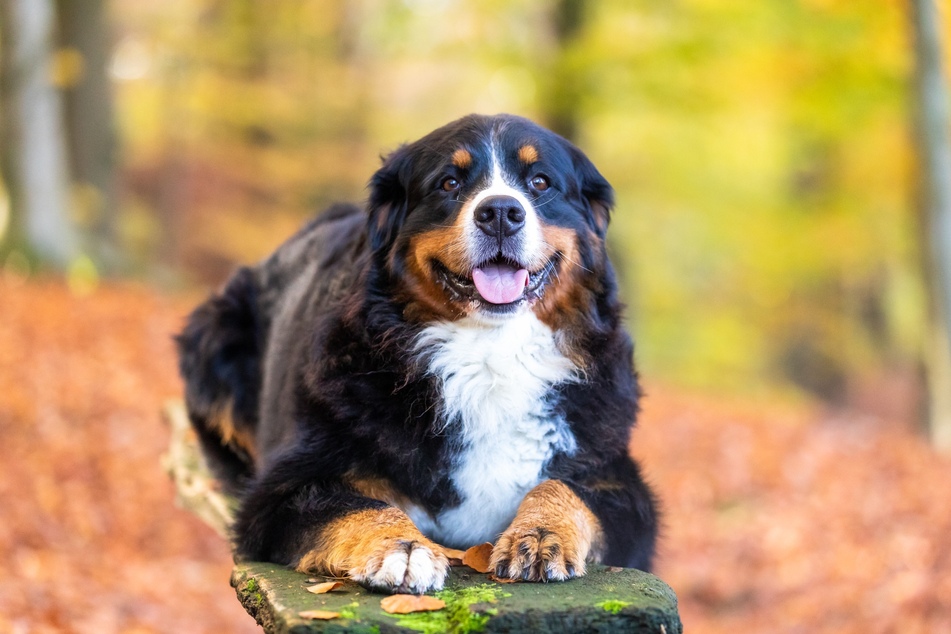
(444, 368)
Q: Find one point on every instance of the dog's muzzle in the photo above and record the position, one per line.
(500, 219)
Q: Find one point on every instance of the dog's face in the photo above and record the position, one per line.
(488, 217)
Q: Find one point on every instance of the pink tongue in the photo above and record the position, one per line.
(500, 283)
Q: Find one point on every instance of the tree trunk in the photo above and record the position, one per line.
(935, 170)
(31, 137)
(563, 90)
(84, 33)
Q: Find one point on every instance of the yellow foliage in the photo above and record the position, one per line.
(760, 151)
(67, 67)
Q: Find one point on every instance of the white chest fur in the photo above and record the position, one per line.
(496, 380)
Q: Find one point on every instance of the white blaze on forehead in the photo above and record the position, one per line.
(499, 185)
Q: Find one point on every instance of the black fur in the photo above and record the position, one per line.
(221, 362)
(314, 349)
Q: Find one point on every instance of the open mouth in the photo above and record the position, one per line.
(497, 283)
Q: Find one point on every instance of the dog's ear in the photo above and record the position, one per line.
(595, 189)
(389, 198)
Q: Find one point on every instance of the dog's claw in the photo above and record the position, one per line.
(536, 554)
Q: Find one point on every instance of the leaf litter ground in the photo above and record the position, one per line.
(778, 517)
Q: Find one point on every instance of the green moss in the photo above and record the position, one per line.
(349, 611)
(456, 617)
(253, 590)
(612, 605)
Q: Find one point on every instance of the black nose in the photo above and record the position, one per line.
(500, 216)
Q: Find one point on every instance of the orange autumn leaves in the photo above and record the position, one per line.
(322, 588)
(478, 558)
(778, 518)
(409, 603)
(393, 604)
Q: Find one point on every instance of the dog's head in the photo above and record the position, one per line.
(489, 216)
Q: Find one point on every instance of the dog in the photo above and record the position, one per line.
(443, 368)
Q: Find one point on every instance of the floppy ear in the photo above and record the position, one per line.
(388, 198)
(596, 190)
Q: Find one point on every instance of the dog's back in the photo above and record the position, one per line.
(238, 346)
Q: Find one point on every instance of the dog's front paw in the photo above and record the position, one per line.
(538, 554)
(380, 549)
(401, 565)
(551, 537)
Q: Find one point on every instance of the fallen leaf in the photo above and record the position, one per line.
(452, 553)
(322, 615)
(478, 557)
(502, 579)
(321, 588)
(407, 603)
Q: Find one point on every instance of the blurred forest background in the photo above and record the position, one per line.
(771, 161)
(767, 231)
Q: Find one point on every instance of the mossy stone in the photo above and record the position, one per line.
(606, 600)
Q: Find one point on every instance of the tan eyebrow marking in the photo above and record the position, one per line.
(461, 158)
(527, 154)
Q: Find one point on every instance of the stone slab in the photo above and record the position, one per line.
(606, 600)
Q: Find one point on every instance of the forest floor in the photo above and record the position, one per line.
(778, 517)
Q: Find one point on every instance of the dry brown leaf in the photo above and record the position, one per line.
(322, 615)
(452, 553)
(321, 588)
(478, 557)
(502, 579)
(407, 603)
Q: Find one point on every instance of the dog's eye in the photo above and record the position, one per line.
(450, 184)
(540, 183)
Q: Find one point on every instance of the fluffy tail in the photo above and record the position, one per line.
(220, 359)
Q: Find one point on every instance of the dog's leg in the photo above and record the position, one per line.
(298, 515)
(608, 516)
(551, 537)
(380, 549)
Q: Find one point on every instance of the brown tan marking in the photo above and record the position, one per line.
(569, 291)
(222, 421)
(551, 537)
(528, 154)
(377, 488)
(426, 295)
(368, 546)
(461, 158)
(602, 213)
(383, 490)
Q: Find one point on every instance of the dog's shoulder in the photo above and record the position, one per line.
(331, 240)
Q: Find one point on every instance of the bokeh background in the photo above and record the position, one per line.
(771, 236)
